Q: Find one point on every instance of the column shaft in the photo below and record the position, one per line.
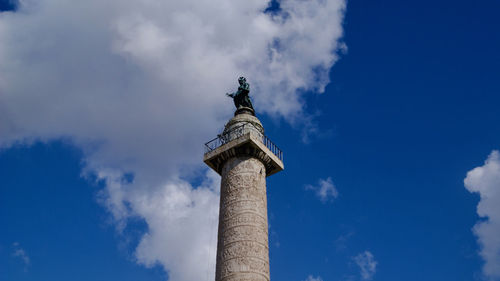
(242, 245)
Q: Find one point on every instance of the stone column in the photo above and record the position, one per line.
(242, 246)
(244, 157)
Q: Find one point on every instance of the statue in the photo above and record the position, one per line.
(241, 98)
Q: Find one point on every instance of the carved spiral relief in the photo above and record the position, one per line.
(242, 249)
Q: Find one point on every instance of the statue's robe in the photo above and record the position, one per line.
(241, 97)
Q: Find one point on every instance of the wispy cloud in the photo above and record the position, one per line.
(367, 265)
(21, 254)
(485, 180)
(341, 241)
(312, 278)
(325, 190)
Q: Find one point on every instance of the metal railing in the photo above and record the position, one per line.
(238, 132)
(224, 138)
(271, 146)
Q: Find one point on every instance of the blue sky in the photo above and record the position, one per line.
(411, 107)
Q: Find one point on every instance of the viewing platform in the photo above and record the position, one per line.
(243, 136)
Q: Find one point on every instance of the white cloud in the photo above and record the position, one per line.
(341, 242)
(311, 278)
(139, 87)
(21, 254)
(367, 265)
(485, 180)
(325, 190)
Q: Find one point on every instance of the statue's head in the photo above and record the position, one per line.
(242, 80)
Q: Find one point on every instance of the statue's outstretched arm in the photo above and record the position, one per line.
(230, 95)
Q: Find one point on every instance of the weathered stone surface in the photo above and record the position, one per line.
(241, 119)
(242, 246)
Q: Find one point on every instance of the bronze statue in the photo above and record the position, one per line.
(241, 98)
